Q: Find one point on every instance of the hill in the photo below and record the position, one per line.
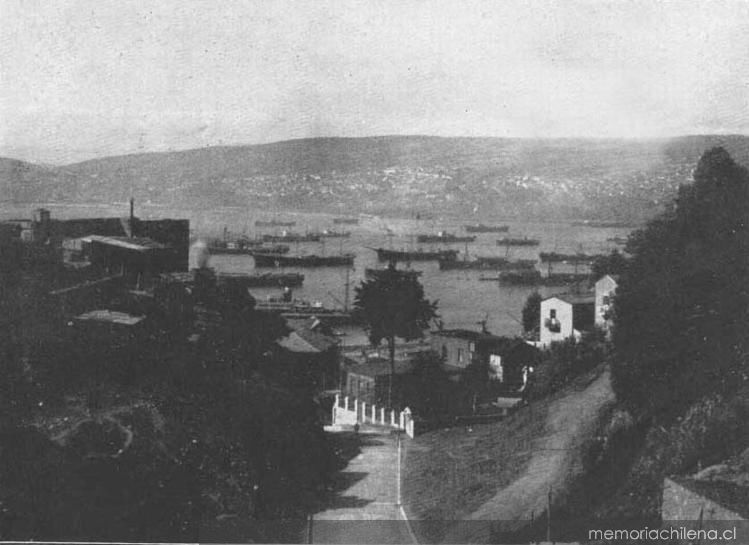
(488, 177)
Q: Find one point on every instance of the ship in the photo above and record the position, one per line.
(271, 279)
(384, 254)
(445, 238)
(272, 249)
(374, 274)
(551, 257)
(233, 247)
(281, 260)
(531, 277)
(299, 309)
(525, 241)
(481, 228)
(346, 221)
(486, 264)
(274, 223)
(292, 237)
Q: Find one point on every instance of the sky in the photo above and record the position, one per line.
(90, 78)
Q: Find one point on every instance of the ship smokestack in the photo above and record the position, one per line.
(132, 217)
(201, 253)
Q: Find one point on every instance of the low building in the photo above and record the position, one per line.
(566, 316)
(369, 381)
(504, 357)
(313, 354)
(605, 291)
(702, 501)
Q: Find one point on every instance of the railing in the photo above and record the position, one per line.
(350, 411)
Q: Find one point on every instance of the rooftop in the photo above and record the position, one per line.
(110, 317)
(467, 334)
(731, 496)
(304, 340)
(381, 366)
(575, 298)
(139, 244)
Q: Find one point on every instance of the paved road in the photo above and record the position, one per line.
(365, 509)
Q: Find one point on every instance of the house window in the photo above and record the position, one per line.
(460, 355)
(552, 324)
(495, 367)
(606, 300)
(444, 353)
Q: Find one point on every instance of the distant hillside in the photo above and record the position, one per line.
(555, 178)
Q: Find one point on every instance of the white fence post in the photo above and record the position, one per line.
(374, 413)
(345, 403)
(382, 415)
(363, 411)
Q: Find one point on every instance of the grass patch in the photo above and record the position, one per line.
(450, 473)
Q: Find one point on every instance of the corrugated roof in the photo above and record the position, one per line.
(306, 341)
(110, 316)
(140, 244)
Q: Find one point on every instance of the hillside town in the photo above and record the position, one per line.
(403, 272)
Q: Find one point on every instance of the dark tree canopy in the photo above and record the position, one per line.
(614, 263)
(532, 313)
(683, 304)
(394, 305)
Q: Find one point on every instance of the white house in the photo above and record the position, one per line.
(564, 316)
(605, 291)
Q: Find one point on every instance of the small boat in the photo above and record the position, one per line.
(271, 279)
(481, 228)
(618, 240)
(331, 233)
(563, 279)
(281, 260)
(525, 241)
(346, 221)
(286, 236)
(384, 254)
(444, 238)
(604, 224)
(487, 264)
(274, 223)
(524, 277)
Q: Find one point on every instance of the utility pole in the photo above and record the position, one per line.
(398, 470)
(548, 516)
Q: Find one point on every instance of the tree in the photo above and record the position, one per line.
(683, 303)
(614, 263)
(393, 305)
(532, 313)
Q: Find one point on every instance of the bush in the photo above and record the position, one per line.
(564, 361)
